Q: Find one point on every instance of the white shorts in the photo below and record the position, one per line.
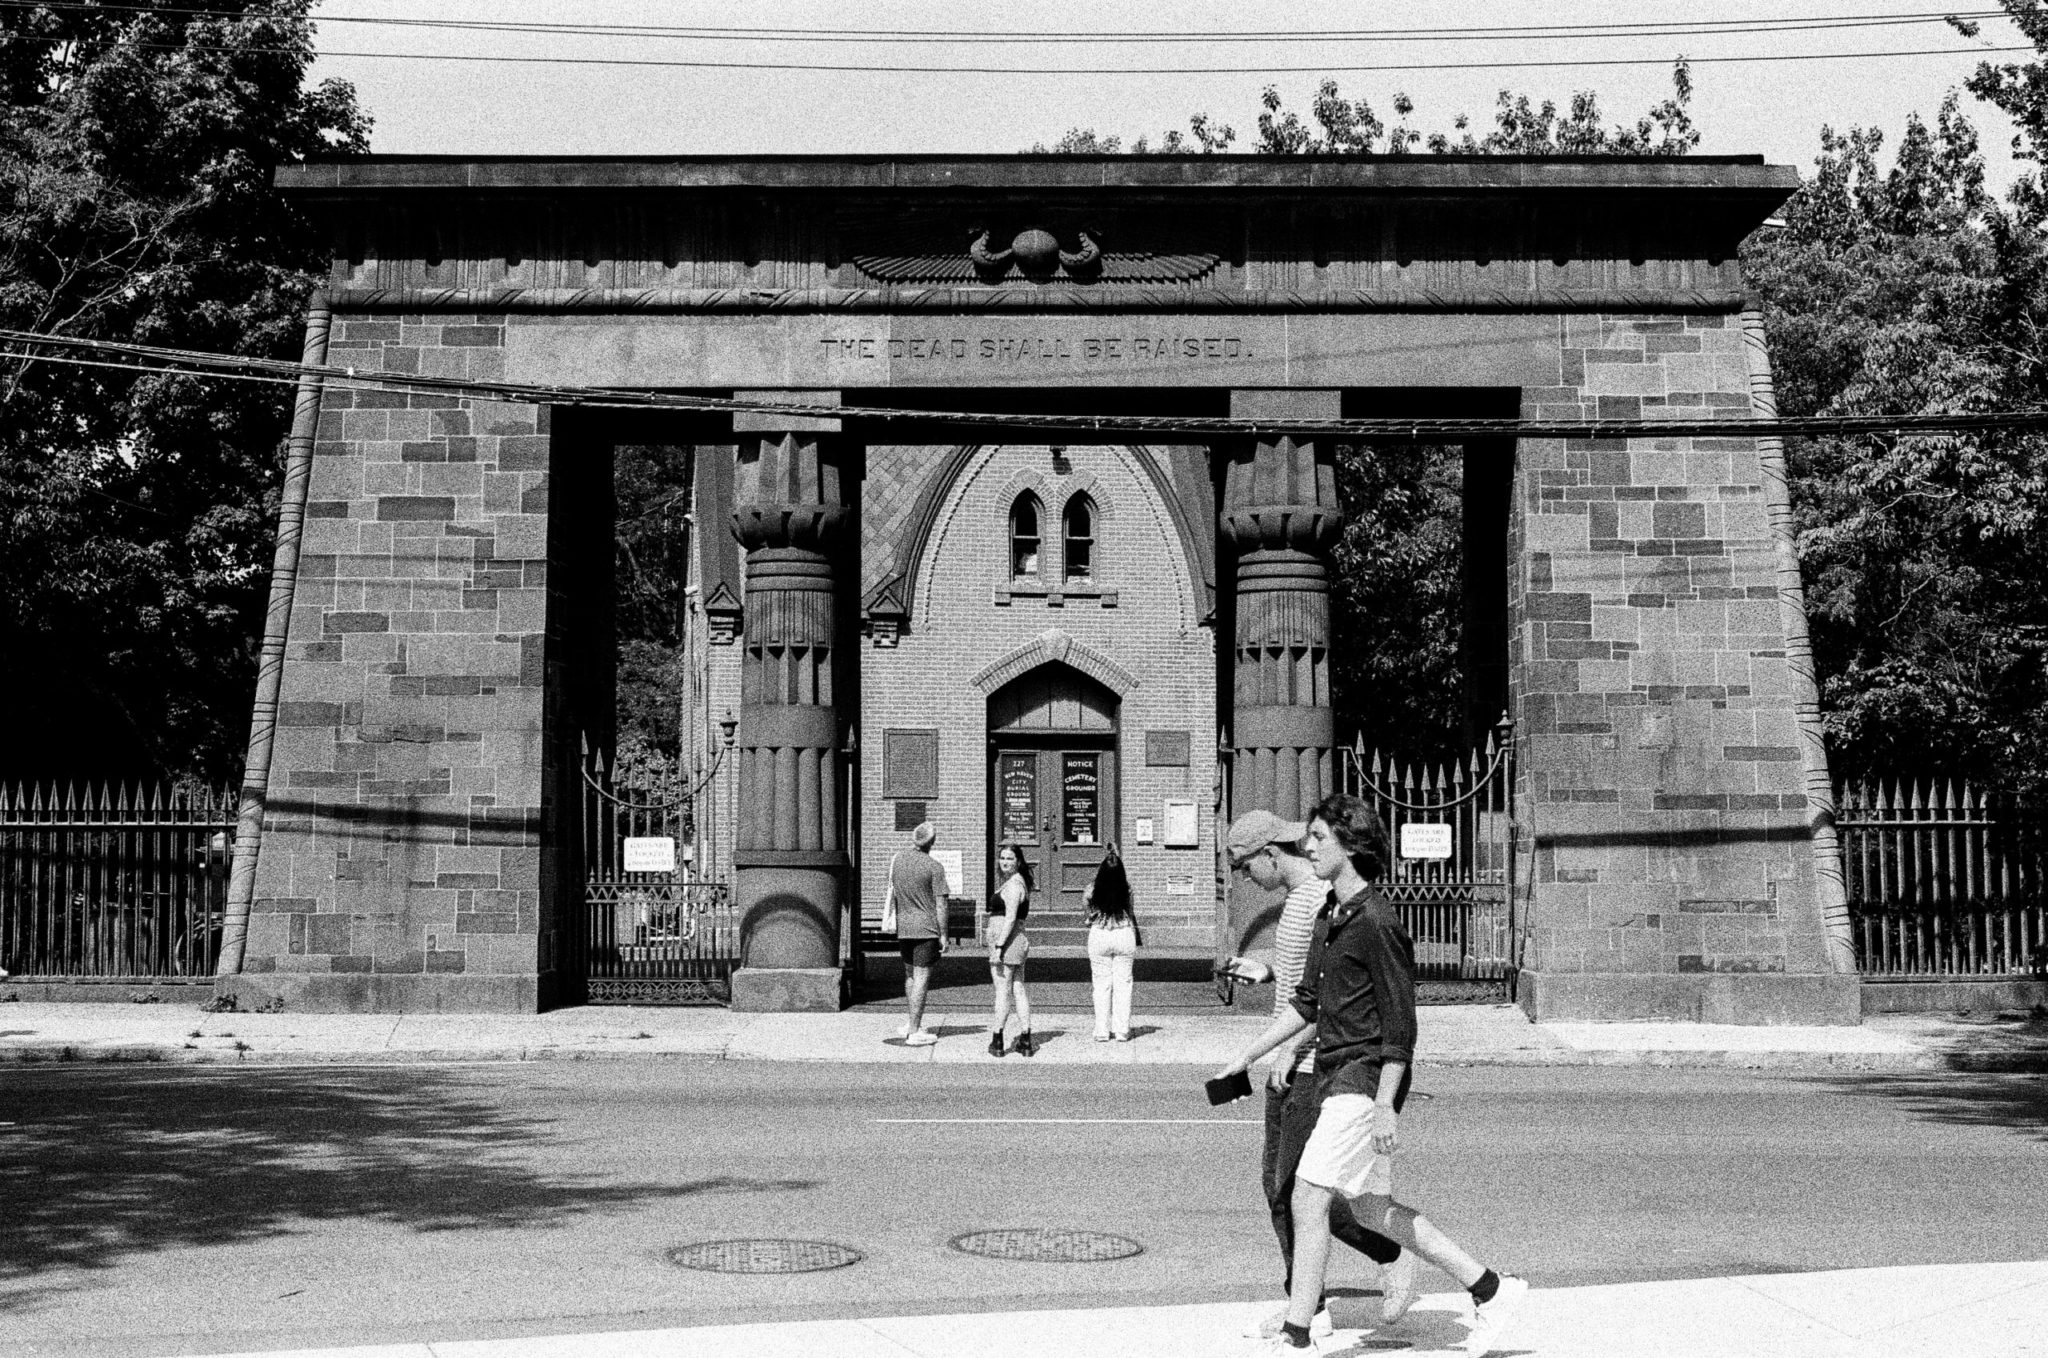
(1339, 1155)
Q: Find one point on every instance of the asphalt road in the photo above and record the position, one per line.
(153, 1211)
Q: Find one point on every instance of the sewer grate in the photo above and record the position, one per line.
(1047, 1247)
(763, 1256)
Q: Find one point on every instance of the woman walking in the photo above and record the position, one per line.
(1113, 940)
(1008, 947)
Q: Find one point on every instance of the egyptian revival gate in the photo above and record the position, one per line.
(438, 604)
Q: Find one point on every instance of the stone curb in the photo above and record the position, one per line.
(1955, 1062)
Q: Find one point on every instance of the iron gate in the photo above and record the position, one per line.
(653, 934)
(1459, 909)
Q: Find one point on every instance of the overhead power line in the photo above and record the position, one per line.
(157, 359)
(771, 33)
(874, 68)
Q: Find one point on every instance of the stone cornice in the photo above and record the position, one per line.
(877, 301)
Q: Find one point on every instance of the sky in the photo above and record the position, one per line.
(434, 105)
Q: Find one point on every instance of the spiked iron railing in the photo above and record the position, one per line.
(112, 883)
(1457, 909)
(1944, 879)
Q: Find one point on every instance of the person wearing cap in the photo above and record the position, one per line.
(917, 882)
(1268, 850)
(1358, 992)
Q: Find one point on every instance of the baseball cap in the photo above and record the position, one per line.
(1254, 830)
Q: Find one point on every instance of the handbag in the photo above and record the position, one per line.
(889, 901)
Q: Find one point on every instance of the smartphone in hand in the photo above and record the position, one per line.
(1229, 1089)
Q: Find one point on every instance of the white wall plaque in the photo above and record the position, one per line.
(1425, 841)
(651, 854)
(949, 859)
(1181, 885)
(1143, 831)
(1181, 826)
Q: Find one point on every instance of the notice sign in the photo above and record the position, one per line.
(1081, 791)
(949, 859)
(1425, 841)
(1182, 829)
(651, 855)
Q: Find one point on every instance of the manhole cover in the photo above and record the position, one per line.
(1047, 1247)
(763, 1256)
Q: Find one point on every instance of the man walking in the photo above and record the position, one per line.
(917, 883)
(1358, 989)
(1268, 850)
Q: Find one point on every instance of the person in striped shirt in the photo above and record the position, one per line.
(1268, 850)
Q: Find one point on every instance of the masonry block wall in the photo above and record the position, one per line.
(1662, 778)
(1147, 617)
(405, 860)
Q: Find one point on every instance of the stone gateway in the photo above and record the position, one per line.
(1020, 629)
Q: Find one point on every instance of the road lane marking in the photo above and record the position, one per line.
(1068, 1122)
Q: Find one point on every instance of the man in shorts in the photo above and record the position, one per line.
(918, 882)
(1268, 850)
(1358, 990)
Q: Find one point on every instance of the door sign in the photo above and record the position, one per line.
(1017, 789)
(1081, 793)
(653, 853)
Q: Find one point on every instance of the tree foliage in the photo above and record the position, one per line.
(1906, 290)
(136, 513)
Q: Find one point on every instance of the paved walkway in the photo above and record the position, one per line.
(1451, 1035)
(1984, 1310)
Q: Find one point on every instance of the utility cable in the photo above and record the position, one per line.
(881, 36)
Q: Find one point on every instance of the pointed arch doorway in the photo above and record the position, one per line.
(1054, 788)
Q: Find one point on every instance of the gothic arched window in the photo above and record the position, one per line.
(1025, 538)
(1078, 538)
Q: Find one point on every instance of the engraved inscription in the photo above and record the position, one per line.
(1123, 349)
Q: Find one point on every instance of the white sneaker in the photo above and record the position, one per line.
(1275, 1345)
(1268, 1326)
(923, 1037)
(1398, 1287)
(1490, 1321)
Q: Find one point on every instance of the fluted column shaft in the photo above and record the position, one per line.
(790, 860)
(1280, 511)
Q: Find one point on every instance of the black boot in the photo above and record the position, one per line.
(995, 1044)
(1024, 1043)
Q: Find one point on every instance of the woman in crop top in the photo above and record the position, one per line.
(1008, 947)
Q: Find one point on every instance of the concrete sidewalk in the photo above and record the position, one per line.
(1451, 1035)
(1985, 1310)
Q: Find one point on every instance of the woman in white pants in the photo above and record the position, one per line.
(1113, 940)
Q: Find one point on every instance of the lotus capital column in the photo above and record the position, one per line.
(790, 857)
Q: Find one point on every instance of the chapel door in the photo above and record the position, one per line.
(1053, 783)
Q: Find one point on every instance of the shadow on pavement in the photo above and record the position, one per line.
(2017, 1103)
(96, 1168)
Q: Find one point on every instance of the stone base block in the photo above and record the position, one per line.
(1737, 997)
(786, 990)
(1952, 997)
(354, 993)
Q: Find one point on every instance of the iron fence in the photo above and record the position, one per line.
(652, 935)
(1944, 879)
(1456, 903)
(113, 883)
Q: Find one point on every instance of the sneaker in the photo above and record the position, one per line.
(923, 1037)
(995, 1044)
(1102, 1037)
(1490, 1321)
(1398, 1287)
(1268, 1326)
(1123, 1037)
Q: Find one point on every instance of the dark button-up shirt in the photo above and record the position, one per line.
(1358, 988)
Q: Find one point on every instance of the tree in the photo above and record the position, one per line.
(136, 511)
(1902, 291)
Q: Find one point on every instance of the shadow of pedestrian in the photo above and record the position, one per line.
(100, 1166)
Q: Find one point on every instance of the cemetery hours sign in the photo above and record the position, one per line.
(1081, 798)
